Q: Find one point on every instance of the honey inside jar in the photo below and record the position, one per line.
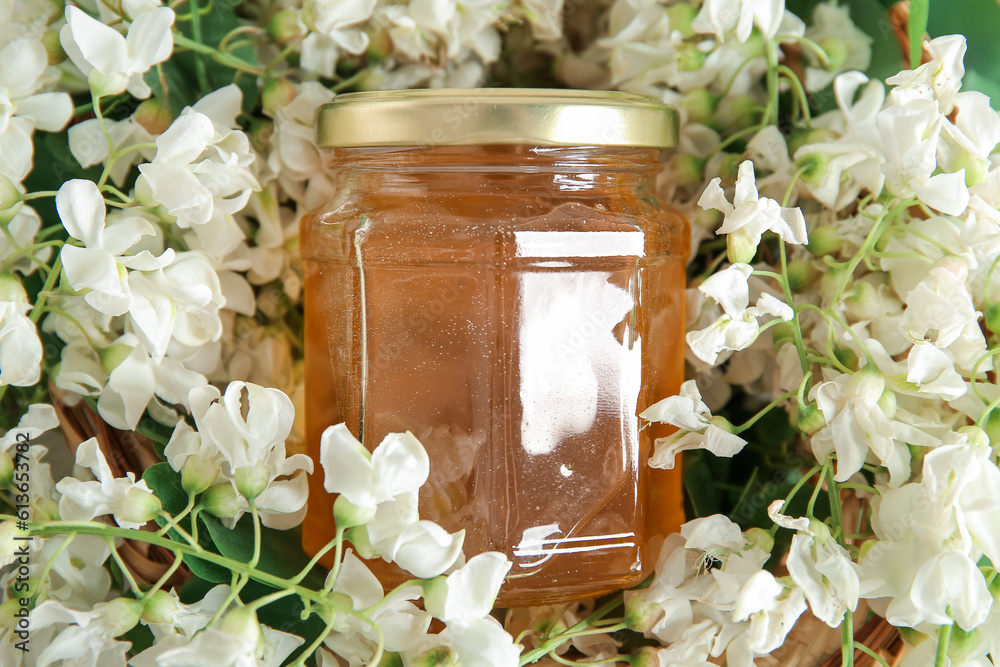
(514, 305)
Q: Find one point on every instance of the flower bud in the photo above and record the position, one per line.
(912, 637)
(113, 355)
(647, 656)
(139, 506)
(847, 356)
(680, 17)
(53, 47)
(975, 168)
(9, 194)
(760, 538)
(976, 437)
(160, 608)
(252, 480)
(887, 403)
(6, 470)
(260, 132)
(439, 656)
(814, 167)
(349, 515)
(700, 105)
(198, 474)
(721, 422)
(242, 622)
(7, 611)
(689, 57)
(781, 334)
(285, 26)
(992, 316)
(831, 280)
(277, 95)
(11, 289)
(804, 138)
(992, 428)
(824, 241)
(154, 115)
(358, 537)
(688, 170)
(868, 383)
(740, 248)
(801, 275)
(962, 643)
(641, 615)
(121, 614)
(221, 501)
(862, 301)
(738, 112)
(809, 419)
(143, 193)
(836, 53)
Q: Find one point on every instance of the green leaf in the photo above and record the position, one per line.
(917, 27)
(166, 485)
(699, 484)
(281, 552)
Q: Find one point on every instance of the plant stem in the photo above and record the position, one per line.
(944, 638)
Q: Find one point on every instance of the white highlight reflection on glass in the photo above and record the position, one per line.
(566, 337)
(533, 543)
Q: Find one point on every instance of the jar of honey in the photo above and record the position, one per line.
(495, 274)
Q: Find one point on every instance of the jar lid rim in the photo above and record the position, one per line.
(484, 116)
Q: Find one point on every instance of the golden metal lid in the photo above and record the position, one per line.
(482, 116)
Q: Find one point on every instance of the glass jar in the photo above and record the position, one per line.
(496, 275)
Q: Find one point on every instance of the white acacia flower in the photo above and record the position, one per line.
(750, 215)
(113, 63)
(699, 430)
(22, 227)
(335, 30)
(220, 647)
(101, 265)
(940, 309)
(425, 549)
(132, 503)
(398, 466)
(86, 637)
(134, 378)
(857, 424)
(250, 436)
(481, 642)
(177, 304)
(403, 624)
(771, 607)
(848, 47)
(931, 535)
(200, 172)
(910, 138)
(737, 328)
(38, 419)
(469, 592)
(23, 109)
(720, 17)
(820, 567)
(939, 79)
(838, 170)
(20, 346)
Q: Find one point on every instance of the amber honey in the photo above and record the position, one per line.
(514, 306)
